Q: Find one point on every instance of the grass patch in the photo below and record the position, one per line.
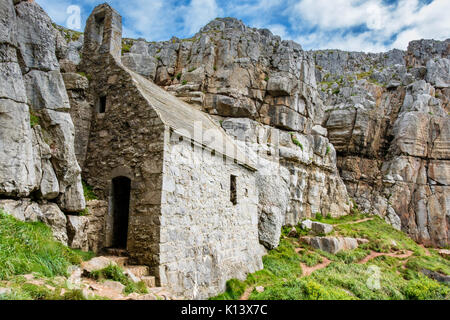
(382, 278)
(381, 236)
(88, 192)
(115, 273)
(311, 258)
(34, 119)
(27, 247)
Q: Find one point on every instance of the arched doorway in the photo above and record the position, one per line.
(121, 187)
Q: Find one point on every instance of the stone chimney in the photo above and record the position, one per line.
(103, 33)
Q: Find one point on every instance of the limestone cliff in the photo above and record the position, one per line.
(387, 116)
(322, 126)
(37, 155)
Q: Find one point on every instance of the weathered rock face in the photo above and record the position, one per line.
(387, 116)
(29, 211)
(36, 131)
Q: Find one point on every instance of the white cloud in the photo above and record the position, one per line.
(199, 12)
(57, 10)
(407, 20)
(313, 23)
(279, 30)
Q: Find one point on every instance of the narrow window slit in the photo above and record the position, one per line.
(233, 190)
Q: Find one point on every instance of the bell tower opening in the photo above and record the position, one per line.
(100, 27)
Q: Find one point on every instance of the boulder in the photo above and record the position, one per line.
(293, 233)
(321, 228)
(444, 253)
(77, 227)
(331, 244)
(96, 263)
(306, 224)
(114, 285)
(55, 218)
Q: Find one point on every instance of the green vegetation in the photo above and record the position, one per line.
(184, 82)
(364, 75)
(192, 69)
(115, 273)
(295, 141)
(328, 149)
(88, 192)
(34, 120)
(125, 48)
(344, 278)
(178, 75)
(29, 247)
(87, 76)
(88, 195)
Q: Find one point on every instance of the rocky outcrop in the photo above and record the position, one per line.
(387, 116)
(36, 130)
(37, 133)
(29, 211)
(331, 244)
(263, 92)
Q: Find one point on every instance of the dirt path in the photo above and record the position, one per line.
(374, 254)
(427, 253)
(247, 293)
(308, 270)
(353, 222)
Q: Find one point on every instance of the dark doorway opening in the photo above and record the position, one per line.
(102, 104)
(121, 187)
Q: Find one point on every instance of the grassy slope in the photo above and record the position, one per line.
(343, 278)
(30, 248)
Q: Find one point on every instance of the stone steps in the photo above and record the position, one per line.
(140, 272)
(150, 281)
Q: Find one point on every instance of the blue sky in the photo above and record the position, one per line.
(359, 25)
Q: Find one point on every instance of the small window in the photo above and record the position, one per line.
(233, 190)
(102, 104)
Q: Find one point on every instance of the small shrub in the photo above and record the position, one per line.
(115, 273)
(88, 192)
(184, 82)
(425, 289)
(295, 141)
(179, 75)
(125, 48)
(234, 290)
(34, 120)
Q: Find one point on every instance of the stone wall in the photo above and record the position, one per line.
(205, 239)
(127, 140)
